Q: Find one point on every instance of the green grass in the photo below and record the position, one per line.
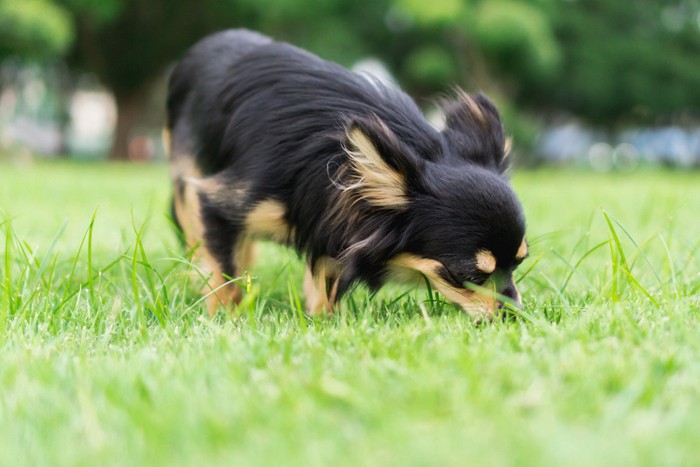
(108, 358)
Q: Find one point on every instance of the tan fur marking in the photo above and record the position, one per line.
(425, 266)
(372, 179)
(266, 219)
(507, 147)
(224, 192)
(473, 107)
(475, 304)
(167, 141)
(318, 300)
(219, 290)
(522, 250)
(485, 261)
(184, 168)
(187, 209)
(224, 292)
(231, 293)
(244, 255)
(314, 299)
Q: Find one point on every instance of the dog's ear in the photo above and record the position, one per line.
(381, 169)
(474, 130)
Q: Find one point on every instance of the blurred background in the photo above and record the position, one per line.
(597, 83)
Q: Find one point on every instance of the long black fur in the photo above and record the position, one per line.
(249, 109)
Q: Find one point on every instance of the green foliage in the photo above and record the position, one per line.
(34, 28)
(611, 62)
(497, 46)
(128, 42)
(337, 28)
(432, 13)
(521, 128)
(517, 36)
(430, 66)
(99, 12)
(624, 61)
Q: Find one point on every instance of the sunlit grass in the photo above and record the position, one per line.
(108, 356)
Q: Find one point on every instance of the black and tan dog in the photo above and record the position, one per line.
(268, 141)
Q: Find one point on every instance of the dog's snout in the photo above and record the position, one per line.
(510, 291)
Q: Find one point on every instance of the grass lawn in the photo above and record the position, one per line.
(108, 358)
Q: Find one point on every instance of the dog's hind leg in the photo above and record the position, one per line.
(188, 216)
(242, 259)
(208, 234)
(230, 227)
(223, 246)
(213, 243)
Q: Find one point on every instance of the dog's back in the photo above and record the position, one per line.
(194, 89)
(236, 86)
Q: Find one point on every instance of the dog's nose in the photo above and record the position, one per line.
(511, 291)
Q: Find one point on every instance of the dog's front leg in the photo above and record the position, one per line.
(321, 288)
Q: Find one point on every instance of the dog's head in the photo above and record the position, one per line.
(449, 215)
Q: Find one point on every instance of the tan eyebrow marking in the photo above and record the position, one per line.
(485, 261)
(522, 251)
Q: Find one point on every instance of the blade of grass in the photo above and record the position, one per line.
(575, 267)
(45, 260)
(91, 287)
(8, 306)
(531, 268)
(617, 256)
(70, 294)
(431, 296)
(639, 286)
(74, 267)
(674, 282)
(551, 285)
(295, 303)
(639, 249)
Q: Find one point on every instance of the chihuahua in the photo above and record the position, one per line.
(268, 141)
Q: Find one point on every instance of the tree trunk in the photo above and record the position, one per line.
(65, 87)
(131, 107)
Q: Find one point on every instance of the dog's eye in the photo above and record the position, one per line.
(477, 280)
(517, 262)
(462, 277)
